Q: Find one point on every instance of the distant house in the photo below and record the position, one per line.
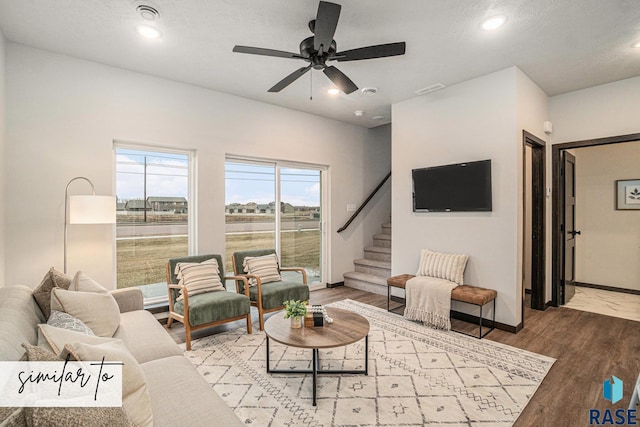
(251, 208)
(137, 205)
(168, 204)
(120, 206)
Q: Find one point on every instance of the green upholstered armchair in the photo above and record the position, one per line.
(268, 297)
(208, 309)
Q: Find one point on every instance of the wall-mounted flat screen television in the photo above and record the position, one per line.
(463, 187)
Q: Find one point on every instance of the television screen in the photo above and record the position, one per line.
(460, 187)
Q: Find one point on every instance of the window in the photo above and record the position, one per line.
(275, 205)
(153, 216)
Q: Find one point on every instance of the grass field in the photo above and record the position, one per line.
(143, 261)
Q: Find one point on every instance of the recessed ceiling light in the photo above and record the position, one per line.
(636, 45)
(333, 91)
(493, 23)
(369, 91)
(377, 118)
(148, 31)
(358, 113)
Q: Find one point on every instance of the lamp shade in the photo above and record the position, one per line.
(92, 210)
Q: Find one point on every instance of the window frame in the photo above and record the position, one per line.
(192, 226)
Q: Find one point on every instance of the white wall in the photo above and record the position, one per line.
(608, 250)
(474, 120)
(2, 155)
(63, 115)
(596, 112)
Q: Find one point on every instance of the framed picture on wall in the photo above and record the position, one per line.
(628, 194)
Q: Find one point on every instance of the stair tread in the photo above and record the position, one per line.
(366, 277)
(373, 263)
(380, 249)
(382, 236)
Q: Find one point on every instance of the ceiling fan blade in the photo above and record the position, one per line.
(370, 52)
(325, 25)
(290, 79)
(266, 52)
(339, 79)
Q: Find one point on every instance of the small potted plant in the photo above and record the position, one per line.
(295, 310)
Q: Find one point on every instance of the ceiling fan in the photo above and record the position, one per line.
(320, 48)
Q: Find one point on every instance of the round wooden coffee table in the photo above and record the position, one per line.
(347, 328)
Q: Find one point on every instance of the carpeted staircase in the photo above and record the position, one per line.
(373, 270)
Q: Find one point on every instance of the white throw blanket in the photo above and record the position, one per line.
(429, 301)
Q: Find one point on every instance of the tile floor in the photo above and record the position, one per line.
(616, 304)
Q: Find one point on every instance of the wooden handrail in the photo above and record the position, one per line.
(355, 214)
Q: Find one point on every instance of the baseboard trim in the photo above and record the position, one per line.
(608, 288)
(470, 318)
(334, 285)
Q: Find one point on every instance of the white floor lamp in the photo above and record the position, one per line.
(86, 209)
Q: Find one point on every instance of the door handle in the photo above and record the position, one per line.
(574, 232)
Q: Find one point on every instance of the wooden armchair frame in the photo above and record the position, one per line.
(184, 319)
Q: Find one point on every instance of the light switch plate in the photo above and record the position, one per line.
(351, 207)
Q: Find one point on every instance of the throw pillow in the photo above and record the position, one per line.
(83, 283)
(98, 311)
(442, 265)
(199, 277)
(60, 319)
(42, 294)
(135, 396)
(54, 339)
(265, 267)
(64, 417)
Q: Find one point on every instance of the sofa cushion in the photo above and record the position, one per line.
(64, 417)
(60, 319)
(99, 311)
(199, 277)
(181, 397)
(274, 294)
(54, 339)
(214, 306)
(42, 294)
(135, 396)
(19, 317)
(265, 267)
(145, 337)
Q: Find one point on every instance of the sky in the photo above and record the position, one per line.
(167, 175)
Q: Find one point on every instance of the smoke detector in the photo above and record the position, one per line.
(369, 91)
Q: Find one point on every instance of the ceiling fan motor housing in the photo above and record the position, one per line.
(311, 55)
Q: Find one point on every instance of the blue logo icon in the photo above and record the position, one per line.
(612, 389)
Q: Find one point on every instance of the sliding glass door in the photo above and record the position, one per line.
(274, 205)
(300, 219)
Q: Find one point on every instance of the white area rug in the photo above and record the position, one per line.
(417, 376)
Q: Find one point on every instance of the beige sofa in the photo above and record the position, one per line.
(179, 395)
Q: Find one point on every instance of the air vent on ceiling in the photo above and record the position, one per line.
(148, 13)
(430, 89)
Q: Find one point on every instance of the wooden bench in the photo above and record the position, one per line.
(464, 293)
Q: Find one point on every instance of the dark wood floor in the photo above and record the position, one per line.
(589, 348)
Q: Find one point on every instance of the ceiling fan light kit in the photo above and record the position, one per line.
(320, 48)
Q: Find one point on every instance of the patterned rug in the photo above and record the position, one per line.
(417, 376)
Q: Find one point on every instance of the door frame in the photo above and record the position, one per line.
(557, 246)
(538, 216)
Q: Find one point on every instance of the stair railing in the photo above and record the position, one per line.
(355, 214)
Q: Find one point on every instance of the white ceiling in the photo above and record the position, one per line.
(563, 45)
